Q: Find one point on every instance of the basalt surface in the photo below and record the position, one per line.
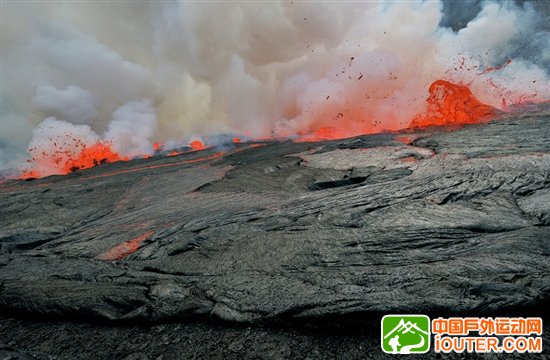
(265, 238)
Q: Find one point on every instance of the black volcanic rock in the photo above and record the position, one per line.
(286, 234)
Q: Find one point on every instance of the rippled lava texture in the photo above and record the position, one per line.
(251, 251)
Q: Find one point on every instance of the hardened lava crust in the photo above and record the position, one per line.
(278, 243)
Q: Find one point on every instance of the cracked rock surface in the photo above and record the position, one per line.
(433, 221)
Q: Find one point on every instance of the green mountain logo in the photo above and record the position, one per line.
(405, 334)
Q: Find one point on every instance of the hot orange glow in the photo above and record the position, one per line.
(197, 145)
(328, 133)
(97, 154)
(323, 133)
(174, 153)
(452, 104)
(29, 174)
(254, 146)
(66, 161)
(448, 104)
(407, 140)
(124, 249)
(136, 169)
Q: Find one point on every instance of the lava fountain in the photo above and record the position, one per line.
(67, 160)
(452, 104)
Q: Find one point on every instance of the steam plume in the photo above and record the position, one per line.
(130, 73)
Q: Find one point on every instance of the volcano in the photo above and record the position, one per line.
(275, 180)
(277, 247)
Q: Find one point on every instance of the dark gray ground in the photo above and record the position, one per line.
(277, 251)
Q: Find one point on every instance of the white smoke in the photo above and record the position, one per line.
(138, 72)
(495, 36)
(132, 128)
(73, 103)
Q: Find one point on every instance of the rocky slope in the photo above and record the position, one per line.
(279, 243)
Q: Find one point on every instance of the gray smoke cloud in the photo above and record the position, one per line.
(132, 73)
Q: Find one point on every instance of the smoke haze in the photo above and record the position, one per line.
(132, 73)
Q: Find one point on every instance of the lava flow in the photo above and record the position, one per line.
(124, 249)
(452, 104)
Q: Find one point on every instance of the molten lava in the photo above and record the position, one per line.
(324, 133)
(197, 145)
(407, 140)
(29, 175)
(66, 160)
(174, 153)
(97, 154)
(452, 104)
(448, 104)
(329, 133)
(76, 155)
(124, 249)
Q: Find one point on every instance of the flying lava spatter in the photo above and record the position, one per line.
(94, 155)
(448, 104)
(89, 156)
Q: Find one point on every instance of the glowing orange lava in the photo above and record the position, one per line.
(329, 133)
(124, 249)
(136, 169)
(97, 154)
(452, 104)
(323, 133)
(66, 161)
(197, 145)
(407, 140)
(29, 174)
(448, 104)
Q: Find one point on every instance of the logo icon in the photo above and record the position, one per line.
(405, 334)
